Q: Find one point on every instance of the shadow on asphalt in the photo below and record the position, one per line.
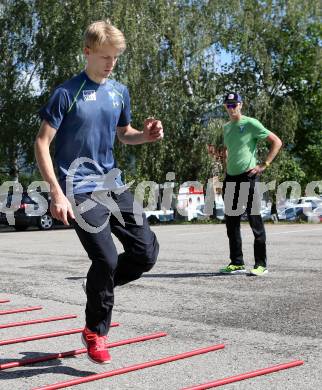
(30, 229)
(50, 367)
(175, 276)
(188, 275)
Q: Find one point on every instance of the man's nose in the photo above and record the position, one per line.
(110, 62)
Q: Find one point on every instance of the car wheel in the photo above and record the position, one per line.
(20, 228)
(153, 220)
(46, 222)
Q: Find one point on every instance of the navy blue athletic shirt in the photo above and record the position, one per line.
(85, 115)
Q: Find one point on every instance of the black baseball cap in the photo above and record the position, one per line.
(232, 97)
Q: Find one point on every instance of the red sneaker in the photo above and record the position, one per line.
(96, 347)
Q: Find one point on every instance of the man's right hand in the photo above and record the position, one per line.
(61, 208)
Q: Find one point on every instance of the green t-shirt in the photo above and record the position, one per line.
(240, 139)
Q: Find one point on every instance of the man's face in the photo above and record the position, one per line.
(101, 60)
(233, 110)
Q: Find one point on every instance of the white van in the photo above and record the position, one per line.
(191, 202)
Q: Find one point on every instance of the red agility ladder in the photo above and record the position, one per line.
(23, 309)
(44, 336)
(140, 366)
(37, 321)
(25, 362)
(247, 375)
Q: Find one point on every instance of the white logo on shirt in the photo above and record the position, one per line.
(89, 95)
(113, 96)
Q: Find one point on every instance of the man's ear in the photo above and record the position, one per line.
(86, 51)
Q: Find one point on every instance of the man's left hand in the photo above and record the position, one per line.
(258, 170)
(153, 130)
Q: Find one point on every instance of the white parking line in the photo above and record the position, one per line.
(298, 231)
(270, 234)
(176, 228)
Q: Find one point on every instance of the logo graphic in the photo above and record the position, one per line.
(231, 96)
(105, 185)
(241, 128)
(113, 96)
(89, 95)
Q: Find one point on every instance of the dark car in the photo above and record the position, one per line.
(31, 212)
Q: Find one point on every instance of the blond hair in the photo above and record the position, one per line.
(101, 32)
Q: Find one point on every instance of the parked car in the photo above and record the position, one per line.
(220, 213)
(265, 213)
(293, 213)
(25, 218)
(310, 201)
(315, 216)
(157, 216)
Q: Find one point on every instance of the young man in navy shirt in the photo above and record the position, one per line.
(85, 114)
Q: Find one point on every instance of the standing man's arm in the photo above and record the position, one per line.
(225, 157)
(60, 207)
(276, 144)
(152, 131)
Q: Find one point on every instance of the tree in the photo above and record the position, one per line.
(173, 69)
(169, 78)
(276, 51)
(17, 100)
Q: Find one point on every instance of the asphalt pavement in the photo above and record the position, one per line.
(263, 321)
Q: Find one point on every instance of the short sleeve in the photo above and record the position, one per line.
(125, 116)
(259, 131)
(55, 109)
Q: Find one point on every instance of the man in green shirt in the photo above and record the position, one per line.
(241, 135)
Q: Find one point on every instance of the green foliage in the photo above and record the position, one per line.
(285, 168)
(16, 91)
(176, 70)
